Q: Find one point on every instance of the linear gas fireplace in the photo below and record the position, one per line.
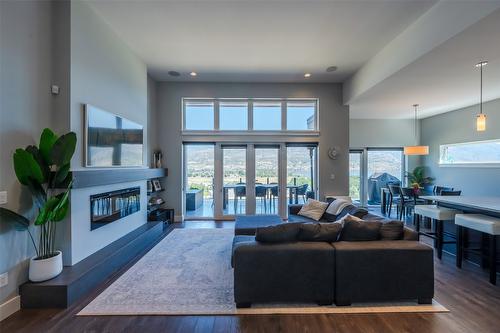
(111, 206)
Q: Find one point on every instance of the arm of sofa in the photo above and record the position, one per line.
(283, 272)
(294, 209)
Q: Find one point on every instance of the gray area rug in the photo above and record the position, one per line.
(189, 273)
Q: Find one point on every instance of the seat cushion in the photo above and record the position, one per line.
(479, 222)
(435, 212)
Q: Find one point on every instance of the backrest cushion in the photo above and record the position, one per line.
(392, 230)
(282, 233)
(319, 232)
(353, 231)
(313, 209)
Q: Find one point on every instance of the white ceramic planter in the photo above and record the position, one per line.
(45, 269)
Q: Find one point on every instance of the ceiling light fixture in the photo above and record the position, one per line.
(306, 75)
(174, 73)
(331, 69)
(416, 150)
(193, 74)
(481, 117)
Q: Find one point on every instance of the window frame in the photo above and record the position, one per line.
(250, 131)
(479, 164)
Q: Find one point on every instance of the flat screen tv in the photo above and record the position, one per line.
(111, 140)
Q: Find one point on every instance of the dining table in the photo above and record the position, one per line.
(293, 196)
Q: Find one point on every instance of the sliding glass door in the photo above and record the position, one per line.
(199, 170)
(234, 181)
(301, 173)
(223, 180)
(371, 169)
(267, 188)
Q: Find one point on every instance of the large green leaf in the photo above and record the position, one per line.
(33, 150)
(18, 221)
(62, 174)
(27, 168)
(45, 212)
(47, 141)
(63, 149)
(59, 212)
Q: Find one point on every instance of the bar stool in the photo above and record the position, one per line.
(482, 223)
(437, 214)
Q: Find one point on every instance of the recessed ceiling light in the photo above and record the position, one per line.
(193, 74)
(306, 75)
(174, 73)
(331, 69)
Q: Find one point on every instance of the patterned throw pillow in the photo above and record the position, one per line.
(313, 209)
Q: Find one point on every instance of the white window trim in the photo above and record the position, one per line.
(473, 164)
(250, 130)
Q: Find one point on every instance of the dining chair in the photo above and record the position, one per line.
(394, 197)
(240, 192)
(260, 192)
(301, 191)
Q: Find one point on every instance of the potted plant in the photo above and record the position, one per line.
(417, 178)
(45, 171)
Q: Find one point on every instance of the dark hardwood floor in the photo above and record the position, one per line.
(474, 306)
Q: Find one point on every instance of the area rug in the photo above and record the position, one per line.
(189, 273)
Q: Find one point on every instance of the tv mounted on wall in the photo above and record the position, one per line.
(111, 140)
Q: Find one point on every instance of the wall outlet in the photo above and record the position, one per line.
(4, 279)
(3, 197)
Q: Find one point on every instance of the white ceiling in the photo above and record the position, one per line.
(442, 80)
(258, 41)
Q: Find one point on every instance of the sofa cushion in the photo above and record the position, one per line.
(360, 231)
(286, 232)
(336, 206)
(392, 230)
(319, 232)
(352, 210)
(313, 209)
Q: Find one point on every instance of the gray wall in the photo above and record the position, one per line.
(25, 109)
(459, 126)
(104, 73)
(107, 74)
(334, 127)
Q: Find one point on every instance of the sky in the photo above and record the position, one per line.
(235, 117)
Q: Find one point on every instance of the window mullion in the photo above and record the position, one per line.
(283, 115)
(250, 114)
(216, 115)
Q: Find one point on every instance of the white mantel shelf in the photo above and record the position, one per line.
(98, 177)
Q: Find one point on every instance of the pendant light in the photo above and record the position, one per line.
(481, 117)
(416, 150)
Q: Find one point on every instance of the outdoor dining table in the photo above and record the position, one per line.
(292, 192)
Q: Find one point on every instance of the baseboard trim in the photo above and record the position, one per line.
(11, 306)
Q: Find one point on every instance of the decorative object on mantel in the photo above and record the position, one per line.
(44, 170)
(481, 117)
(416, 150)
(157, 185)
(157, 156)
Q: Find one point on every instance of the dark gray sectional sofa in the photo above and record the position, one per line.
(339, 272)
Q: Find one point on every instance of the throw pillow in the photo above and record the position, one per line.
(320, 232)
(353, 231)
(336, 206)
(392, 230)
(313, 209)
(282, 233)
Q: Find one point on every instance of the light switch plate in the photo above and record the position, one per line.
(3, 197)
(4, 279)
